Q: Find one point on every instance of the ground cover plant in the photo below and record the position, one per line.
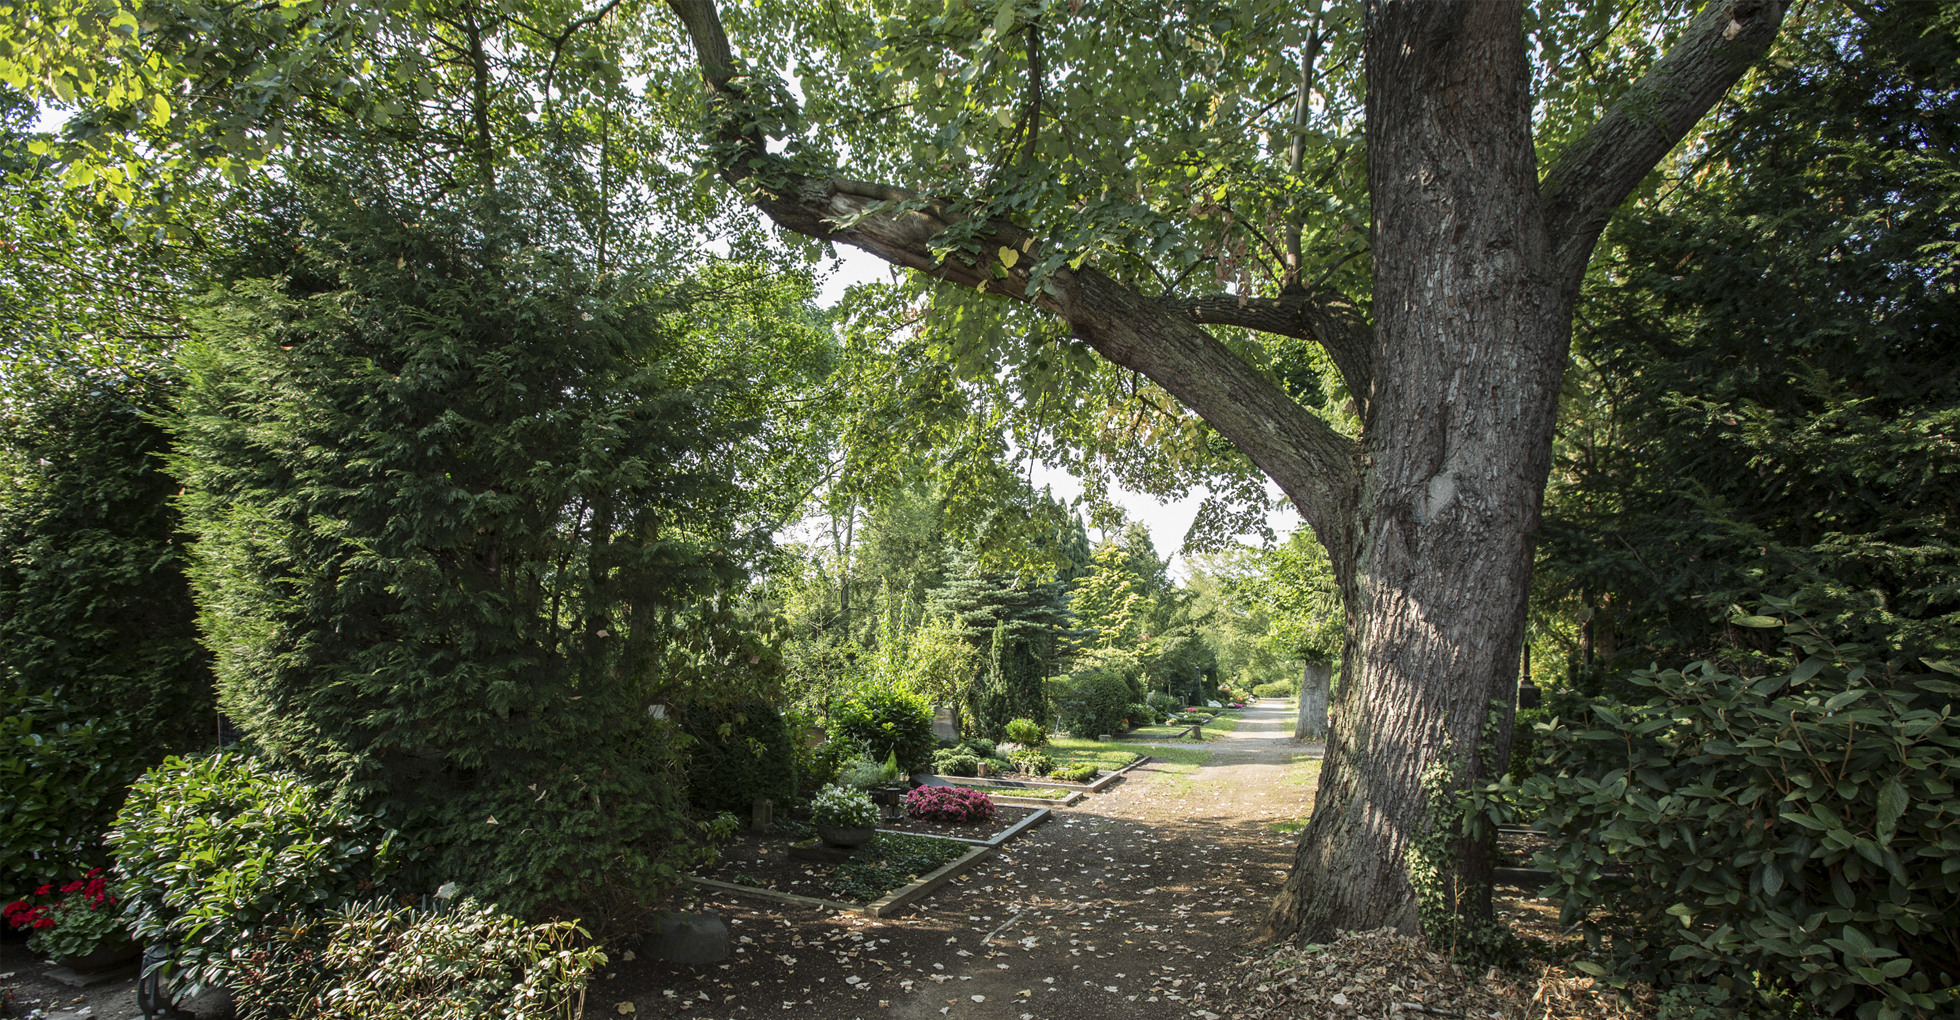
(890, 861)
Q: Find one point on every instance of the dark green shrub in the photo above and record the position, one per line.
(887, 720)
(741, 751)
(377, 961)
(1033, 762)
(980, 746)
(816, 766)
(1140, 715)
(1165, 704)
(955, 762)
(1095, 703)
(1027, 733)
(452, 514)
(1797, 825)
(93, 599)
(215, 852)
(61, 782)
(1276, 689)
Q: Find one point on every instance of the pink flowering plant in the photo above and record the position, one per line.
(76, 921)
(949, 804)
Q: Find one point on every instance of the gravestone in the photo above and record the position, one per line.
(943, 725)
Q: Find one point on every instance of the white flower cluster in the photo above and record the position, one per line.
(843, 807)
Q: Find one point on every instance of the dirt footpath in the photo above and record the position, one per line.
(1130, 905)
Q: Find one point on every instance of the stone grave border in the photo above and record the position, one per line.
(899, 898)
(973, 782)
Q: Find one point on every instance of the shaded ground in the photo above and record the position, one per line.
(1130, 904)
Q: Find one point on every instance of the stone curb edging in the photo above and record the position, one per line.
(1010, 832)
(900, 898)
(1008, 784)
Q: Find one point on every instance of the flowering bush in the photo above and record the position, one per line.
(72, 926)
(948, 804)
(843, 807)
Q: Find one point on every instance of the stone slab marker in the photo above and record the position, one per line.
(1312, 723)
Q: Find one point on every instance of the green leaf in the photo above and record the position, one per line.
(1756, 621)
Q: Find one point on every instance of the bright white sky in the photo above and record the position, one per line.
(1167, 521)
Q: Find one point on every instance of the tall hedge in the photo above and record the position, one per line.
(447, 499)
(95, 609)
(101, 674)
(741, 751)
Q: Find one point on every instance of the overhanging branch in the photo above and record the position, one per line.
(1314, 464)
(1599, 171)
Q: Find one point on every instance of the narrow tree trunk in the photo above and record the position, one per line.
(1471, 334)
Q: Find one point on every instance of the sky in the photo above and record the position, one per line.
(1167, 521)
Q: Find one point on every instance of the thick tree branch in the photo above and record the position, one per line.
(1597, 173)
(1316, 466)
(1323, 317)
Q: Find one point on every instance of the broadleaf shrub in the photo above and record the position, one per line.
(373, 960)
(1095, 703)
(887, 720)
(214, 853)
(1079, 772)
(1027, 733)
(1033, 762)
(742, 751)
(61, 782)
(955, 804)
(1276, 689)
(1796, 825)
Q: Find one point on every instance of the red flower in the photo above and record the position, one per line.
(73, 886)
(44, 890)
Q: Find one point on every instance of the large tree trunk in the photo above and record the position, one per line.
(1471, 332)
(1315, 682)
(1428, 520)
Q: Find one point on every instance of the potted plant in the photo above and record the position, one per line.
(843, 816)
(81, 931)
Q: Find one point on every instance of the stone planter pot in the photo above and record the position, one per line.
(851, 837)
(105, 957)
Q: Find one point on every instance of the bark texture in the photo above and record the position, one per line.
(1315, 681)
(1428, 519)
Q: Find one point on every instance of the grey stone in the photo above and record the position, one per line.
(695, 939)
(79, 979)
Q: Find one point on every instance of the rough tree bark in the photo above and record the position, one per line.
(1428, 518)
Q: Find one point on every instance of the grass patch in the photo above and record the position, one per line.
(889, 861)
(1304, 770)
(1043, 793)
(1289, 828)
(1107, 756)
(1164, 732)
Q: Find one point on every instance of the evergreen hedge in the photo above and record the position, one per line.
(448, 499)
(741, 751)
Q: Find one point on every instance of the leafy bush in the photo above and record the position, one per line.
(1164, 703)
(861, 773)
(887, 720)
(844, 808)
(1033, 762)
(1095, 703)
(980, 747)
(1140, 715)
(955, 762)
(949, 804)
(214, 853)
(375, 961)
(741, 751)
(1276, 689)
(816, 766)
(61, 782)
(1027, 733)
(95, 610)
(890, 860)
(1079, 772)
(1795, 825)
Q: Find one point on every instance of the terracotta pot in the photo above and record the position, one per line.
(852, 837)
(106, 956)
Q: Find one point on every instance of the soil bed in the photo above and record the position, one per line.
(765, 861)
(1005, 817)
